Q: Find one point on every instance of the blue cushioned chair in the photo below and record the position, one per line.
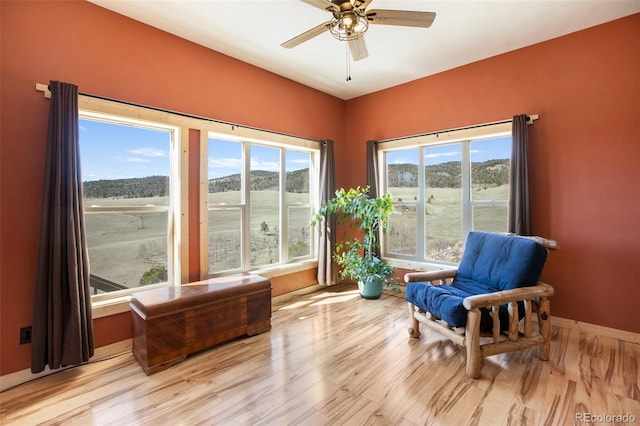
(494, 289)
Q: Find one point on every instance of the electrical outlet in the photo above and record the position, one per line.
(25, 335)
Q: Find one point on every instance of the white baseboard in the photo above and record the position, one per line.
(287, 297)
(614, 333)
(9, 381)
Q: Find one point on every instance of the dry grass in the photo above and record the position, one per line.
(122, 246)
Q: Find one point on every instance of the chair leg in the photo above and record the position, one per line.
(472, 343)
(544, 321)
(414, 331)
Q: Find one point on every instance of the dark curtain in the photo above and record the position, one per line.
(372, 169)
(519, 216)
(62, 330)
(373, 181)
(327, 270)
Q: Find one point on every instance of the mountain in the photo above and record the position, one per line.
(297, 181)
(444, 175)
(158, 186)
(447, 175)
(151, 186)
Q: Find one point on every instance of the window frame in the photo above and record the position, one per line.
(102, 110)
(248, 138)
(465, 137)
(90, 106)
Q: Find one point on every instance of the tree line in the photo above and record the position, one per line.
(447, 175)
(443, 175)
(158, 186)
(150, 186)
(261, 180)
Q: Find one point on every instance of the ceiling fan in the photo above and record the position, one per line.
(350, 21)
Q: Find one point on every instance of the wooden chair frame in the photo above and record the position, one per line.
(535, 299)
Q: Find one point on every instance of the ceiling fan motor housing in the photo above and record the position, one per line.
(349, 25)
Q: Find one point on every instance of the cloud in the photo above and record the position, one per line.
(303, 161)
(403, 161)
(225, 163)
(297, 164)
(149, 152)
(137, 160)
(220, 167)
(258, 164)
(443, 154)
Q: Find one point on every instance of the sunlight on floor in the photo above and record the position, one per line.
(325, 298)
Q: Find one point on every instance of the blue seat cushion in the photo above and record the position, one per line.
(445, 302)
(490, 263)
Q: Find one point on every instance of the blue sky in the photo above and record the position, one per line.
(489, 149)
(114, 151)
(225, 158)
(111, 151)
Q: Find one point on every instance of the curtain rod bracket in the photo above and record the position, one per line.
(43, 88)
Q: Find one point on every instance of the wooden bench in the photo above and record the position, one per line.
(172, 322)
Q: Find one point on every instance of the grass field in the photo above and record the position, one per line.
(224, 225)
(122, 246)
(443, 220)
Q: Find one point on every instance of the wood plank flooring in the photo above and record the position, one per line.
(333, 358)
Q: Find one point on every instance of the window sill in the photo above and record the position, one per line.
(105, 308)
(280, 270)
(419, 266)
(287, 269)
(119, 305)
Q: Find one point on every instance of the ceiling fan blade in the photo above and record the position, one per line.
(405, 18)
(307, 35)
(362, 4)
(358, 49)
(323, 4)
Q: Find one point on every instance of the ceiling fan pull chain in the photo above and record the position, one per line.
(348, 57)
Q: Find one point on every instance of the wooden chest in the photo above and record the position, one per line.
(171, 323)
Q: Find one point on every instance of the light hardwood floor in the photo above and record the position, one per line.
(334, 358)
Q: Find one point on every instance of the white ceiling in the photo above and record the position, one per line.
(464, 31)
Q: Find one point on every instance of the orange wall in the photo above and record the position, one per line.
(584, 152)
(112, 56)
(584, 148)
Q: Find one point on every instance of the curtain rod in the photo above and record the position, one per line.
(530, 119)
(47, 94)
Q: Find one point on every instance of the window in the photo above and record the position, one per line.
(444, 186)
(259, 203)
(257, 190)
(129, 201)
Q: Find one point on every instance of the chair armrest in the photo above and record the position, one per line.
(506, 296)
(430, 275)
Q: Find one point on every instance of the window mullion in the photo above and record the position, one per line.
(314, 201)
(284, 209)
(245, 237)
(420, 208)
(467, 210)
(204, 204)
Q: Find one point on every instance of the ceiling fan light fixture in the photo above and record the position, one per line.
(349, 25)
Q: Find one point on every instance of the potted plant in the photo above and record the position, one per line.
(356, 256)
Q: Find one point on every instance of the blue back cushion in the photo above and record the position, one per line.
(499, 261)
